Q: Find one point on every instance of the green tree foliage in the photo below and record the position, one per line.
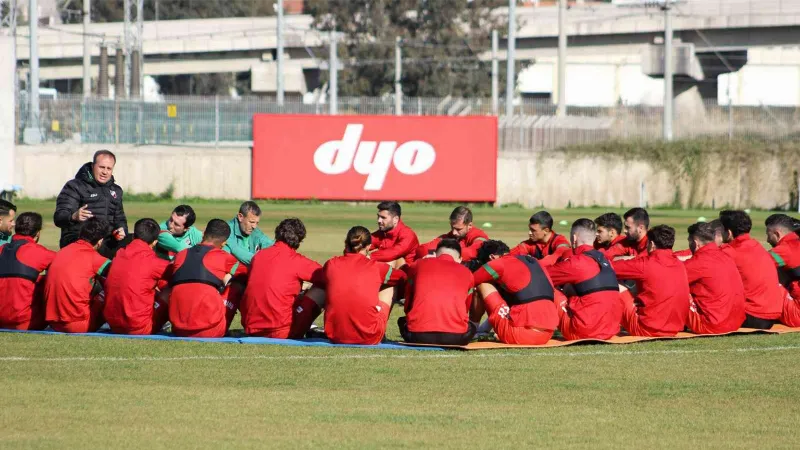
(442, 40)
(114, 11)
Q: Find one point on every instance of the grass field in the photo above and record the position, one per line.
(69, 391)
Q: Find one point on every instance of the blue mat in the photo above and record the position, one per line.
(237, 340)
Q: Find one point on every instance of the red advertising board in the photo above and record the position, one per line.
(434, 158)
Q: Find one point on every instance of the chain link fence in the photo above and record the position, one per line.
(192, 119)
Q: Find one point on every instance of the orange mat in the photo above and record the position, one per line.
(776, 329)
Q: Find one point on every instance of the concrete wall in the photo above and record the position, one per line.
(6, 111)
(553, 179)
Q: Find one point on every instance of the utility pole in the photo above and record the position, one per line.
(127, 37)
(280, 88)
(562, 58)
(398, 68)
(668, 69)
(140, 44)
(495, 74)
(87, 55)
(32, 133)
(512, 42)
(333, 70)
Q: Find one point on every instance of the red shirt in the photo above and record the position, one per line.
(131, 286)
(16, 294)
(549, 253)
(438, 296)
(663, 290)
(597, 315)
(786, 256)
(682, 253)
(353, 313)
(512, 275)
(276, 277)
(199, 306)
(617, 240)
(69, 282)
(717, 289)
(626, 248)
(762, 290)
(470, 244)
(399, 242)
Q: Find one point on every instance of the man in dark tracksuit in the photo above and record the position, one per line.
(93, 193)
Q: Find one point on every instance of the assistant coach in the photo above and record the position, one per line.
(93, 193)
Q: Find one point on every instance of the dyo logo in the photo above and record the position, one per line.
(373, 159)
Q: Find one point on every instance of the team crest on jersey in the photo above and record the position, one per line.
(113, 193)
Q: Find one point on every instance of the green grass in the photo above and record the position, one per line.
(70, 391)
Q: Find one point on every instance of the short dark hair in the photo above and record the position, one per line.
(639, 216)
(611, 221)
(716, 225)
(782, 221)
(357, 239)
(104, 153)
(583, 224)
(291, 232)
(185, 211)
(146, 230)
(93, 230)
(393, 208)
(6, 207)
(249, 207)
(28, 224)
(461, 213)
(450, 244)
(542, 218)
(737, 222)
(217, 230)
(663, 236)
(703, 231)
(485, 252)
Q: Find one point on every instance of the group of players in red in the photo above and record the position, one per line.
(590, 284)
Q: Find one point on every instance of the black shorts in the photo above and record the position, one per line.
(758, 323)
(435, 337)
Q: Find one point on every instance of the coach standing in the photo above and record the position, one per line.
(93, 193)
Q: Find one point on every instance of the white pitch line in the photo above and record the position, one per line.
(390, 356)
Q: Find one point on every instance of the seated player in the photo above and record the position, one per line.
(273, 305)
(359, 292)
(543, 243)
(637, 221)
(763, 293)
(469, 236)
(246, 239)
(785, 253)
(202, 302)
(609, 231)
(719, 230)
(438, 299)
(21, 286)
(73, 291)
(715, 284)
(133, 303)
(661, 304)
(393, 242)
(7, 213)
(178, 233)
(595, 311)
(518, 295)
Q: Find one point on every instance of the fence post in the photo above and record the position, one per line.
(216, 121)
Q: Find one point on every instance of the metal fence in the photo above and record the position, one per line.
(190, 119)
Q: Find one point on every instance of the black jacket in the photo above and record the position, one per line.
(105, 202)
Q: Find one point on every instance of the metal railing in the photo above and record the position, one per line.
(192, 119)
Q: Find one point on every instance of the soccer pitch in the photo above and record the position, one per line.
(71, 391)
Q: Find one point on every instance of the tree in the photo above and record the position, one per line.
(441, 43)
(114, 11)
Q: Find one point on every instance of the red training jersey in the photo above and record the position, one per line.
(470, 244)
(512, 275)
(438, 296)
(716, 286)
(353, 313)
(597, 315)
(555, 249)
(69, 282)
(608, 245)
(399, 242)
(131, 285)
(199, 306)
(763, 292)
(786, 256)
(626, 248)
(276, 277)
(16, 294)
(662, 301)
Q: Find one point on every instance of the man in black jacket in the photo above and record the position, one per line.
(93, 193)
